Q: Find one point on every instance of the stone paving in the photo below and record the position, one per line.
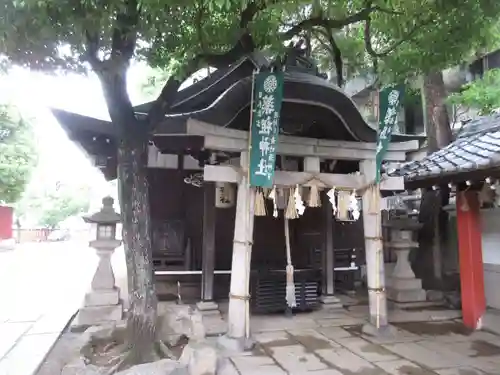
(316, 345)
(41, 288)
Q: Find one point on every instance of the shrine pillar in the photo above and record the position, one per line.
(372, 226)
(471, 258)
(237, 337)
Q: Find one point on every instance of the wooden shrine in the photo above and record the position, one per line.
(197, 161)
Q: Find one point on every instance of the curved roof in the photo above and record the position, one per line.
(476, 150)
(326, 105)
(313, 107)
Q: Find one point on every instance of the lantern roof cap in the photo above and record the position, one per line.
(107, 214)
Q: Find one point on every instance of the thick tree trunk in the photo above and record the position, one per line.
(428, 258)
(135, 211)
(132, 138)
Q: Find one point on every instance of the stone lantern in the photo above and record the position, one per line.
(403, 287)
(102, 303)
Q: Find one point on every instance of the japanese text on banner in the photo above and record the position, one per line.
(390, 99)
(264, 129)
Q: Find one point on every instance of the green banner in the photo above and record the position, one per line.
(389, 103)
(268, 96)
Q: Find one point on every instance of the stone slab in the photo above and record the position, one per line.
(415, 295)
(415, 305)
(405, 283)
(263, 323)
(333, 333)
(28, 354)
(53, 322)
(256, 365)
(102, 298)
(296, 358)
(331, 301)
(401, 316)
(320, 372)
(99, 314)
(459, 371)
(346, 361)
(271, 337)
(423, 356)
(312, 340)
(367, 350)
(10, 333)
(340, 322)
(404, 367)
(207, 306)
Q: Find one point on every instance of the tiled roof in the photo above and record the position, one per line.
(476, 148)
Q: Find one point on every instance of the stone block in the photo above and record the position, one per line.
(297, 359)
(405, 284)
(207, 306)
(102, 297)
(331, 302)
(162, 367)
(91, 315)
(406, 295)
(200, 359)
(346, 361)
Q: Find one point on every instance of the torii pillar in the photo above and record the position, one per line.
(470, 254)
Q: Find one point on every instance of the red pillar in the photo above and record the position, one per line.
(471, 258)
(5, 222)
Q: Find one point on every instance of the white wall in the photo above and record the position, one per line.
(490, 224)
(491, 235)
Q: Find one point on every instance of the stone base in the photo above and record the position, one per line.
(212, 318)
(92, 315)
(203, 306)
(331, 302)
(102, 298)
(386, 331)
(406, 290)
(237, 345)
(414, 305)
(416, 295)
(405, 283)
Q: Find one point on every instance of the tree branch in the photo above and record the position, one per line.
(199, 21)
(92, 50)
(124, 35)
(254, 7)
(336, 54)
(368, 39)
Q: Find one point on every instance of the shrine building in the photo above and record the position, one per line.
(197, 162)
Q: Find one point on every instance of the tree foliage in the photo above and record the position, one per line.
(56, 205)
(413, 38)
(186, 35)
(482, 94)
(17, 154)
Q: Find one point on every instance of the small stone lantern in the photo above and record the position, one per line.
(102, 303)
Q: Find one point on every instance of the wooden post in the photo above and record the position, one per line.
(208, 248)
(471, 259)
(372, 225)
(238, 324)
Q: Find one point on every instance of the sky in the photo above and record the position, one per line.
(60, 160)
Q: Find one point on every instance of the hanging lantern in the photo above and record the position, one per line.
(354, 207)
(343, 202)
(224, 195)
(331, 198)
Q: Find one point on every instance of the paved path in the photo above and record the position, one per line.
(41, 287)
(336, 346)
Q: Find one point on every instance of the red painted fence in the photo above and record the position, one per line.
(6, 214)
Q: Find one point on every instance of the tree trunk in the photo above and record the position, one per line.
(135, 211)
(428, 258)
(133, 192)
